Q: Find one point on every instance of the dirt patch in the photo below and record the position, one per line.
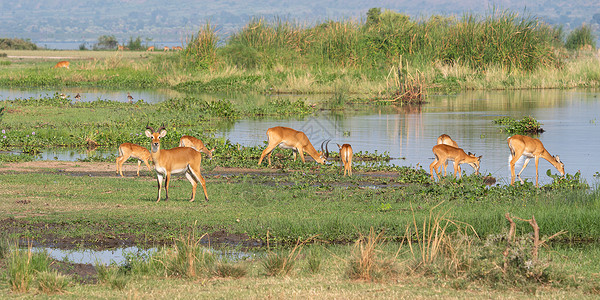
(109, 169)
(81, 273)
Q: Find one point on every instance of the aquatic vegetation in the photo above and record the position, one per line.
(527, 125)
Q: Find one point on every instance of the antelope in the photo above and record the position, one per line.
(178, 48)
(62, 64)
(151, 48)
(521, 145)
(444, 152)
(175, 161)
(127, 150)
(446, 140)
(120, 48)
(288, 138)
(346, 158)
(192, 142)
(166, 48)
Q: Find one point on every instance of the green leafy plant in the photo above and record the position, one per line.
(569, 181)
(527, 125)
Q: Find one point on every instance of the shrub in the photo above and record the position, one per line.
(17, 44)
(580, 38)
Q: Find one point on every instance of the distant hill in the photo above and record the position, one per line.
(173, 21)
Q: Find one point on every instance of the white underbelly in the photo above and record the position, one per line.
(528, 154)
(285, 146)
(163, 171)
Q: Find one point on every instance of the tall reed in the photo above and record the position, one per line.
(502, 38)
(22, 267)
(202, 48)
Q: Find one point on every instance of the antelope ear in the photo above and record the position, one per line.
(480, 156)
(148, 133)
(162, 133)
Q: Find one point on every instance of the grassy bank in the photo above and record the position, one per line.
(188, 271)
(445, 255)
(284, 208)
(371, 60)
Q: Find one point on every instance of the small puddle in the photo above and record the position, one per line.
(119, 256)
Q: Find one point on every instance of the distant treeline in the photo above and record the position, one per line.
(16, 44)
(502, 38)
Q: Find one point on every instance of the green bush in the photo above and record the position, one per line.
(17, 44)
(580, 37)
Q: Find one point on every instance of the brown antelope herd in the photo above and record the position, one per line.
(186, 158)
(519, 146)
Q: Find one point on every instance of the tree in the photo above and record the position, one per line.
(136, 44)
(107, 42)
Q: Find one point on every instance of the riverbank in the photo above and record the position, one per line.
(142, 70)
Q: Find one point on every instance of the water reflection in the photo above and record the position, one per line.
(90, 94)
(569, 118)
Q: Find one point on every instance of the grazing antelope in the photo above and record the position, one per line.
(521, 145)
(192, 142)
(346, 158)
(178, 48)
(62, 64)
(175, 161)
(444, 152)
(151, 48)
(288, 138)
(127, 150)
(446, 140)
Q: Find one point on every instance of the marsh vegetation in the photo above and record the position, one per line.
(390, 227)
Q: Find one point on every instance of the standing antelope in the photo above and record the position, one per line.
(521, 145)
(288, 138)
(62, 64)
(175, 161)
(127, 150)
(166, 48)
(444, 152)
(346, 158)
(446, 140)
(192, 142)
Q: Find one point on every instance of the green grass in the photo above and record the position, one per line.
(287, 209)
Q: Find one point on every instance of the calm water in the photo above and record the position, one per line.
(119, 256)
(90, 94)
(89, 45)
(571, 119)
